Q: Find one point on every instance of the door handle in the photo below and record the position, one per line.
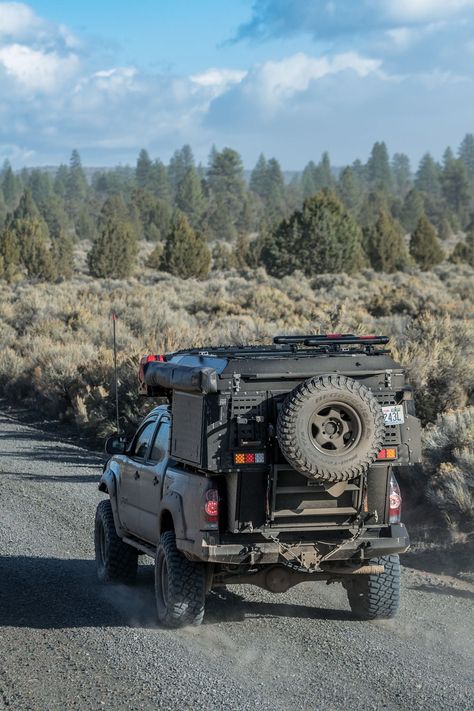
(156, 481)
(136, 475)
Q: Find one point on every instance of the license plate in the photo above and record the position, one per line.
(393, 415)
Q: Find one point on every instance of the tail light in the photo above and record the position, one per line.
(211, 506)
(387, 453)
(395, 501)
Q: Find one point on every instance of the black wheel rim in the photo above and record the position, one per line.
(335, 429)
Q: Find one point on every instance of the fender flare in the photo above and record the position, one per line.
(173, 503)
(108, 484)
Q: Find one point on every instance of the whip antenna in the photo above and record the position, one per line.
(114, 320)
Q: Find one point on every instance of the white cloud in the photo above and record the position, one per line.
(423, 10)
(275, 82)
(218, 80)
(18, 20)
(36, 70)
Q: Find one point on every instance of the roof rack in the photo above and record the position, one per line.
(294, 345)
(331, 339)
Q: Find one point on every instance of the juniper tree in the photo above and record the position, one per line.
(9, 254)
(464, 251)
(424, 245)
(321, 237)
(114, 250)
(185, 253)
(385, 244)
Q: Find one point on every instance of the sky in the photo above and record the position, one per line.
(289, 78)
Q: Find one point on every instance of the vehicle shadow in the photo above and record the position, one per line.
(228, 606)
(56, 593)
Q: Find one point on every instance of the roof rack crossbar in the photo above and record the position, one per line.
(331, 339)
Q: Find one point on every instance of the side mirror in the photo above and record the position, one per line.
(115, 445)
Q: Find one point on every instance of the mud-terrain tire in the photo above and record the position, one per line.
(115, 560)
(376, 597)
(331, 428)
(180, 585)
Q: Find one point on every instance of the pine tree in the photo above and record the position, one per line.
(61, 181)
(455, 185)
(385, 244)
(76, 182)
(378, 168)
(413, 208)
(349, 189)
(190, 197)
(10, 186)
(428, 177)
(424, 245)
(226, 182)
(186, 253)
(160, 182)
(144, 170)
(258, 178)
(401, 172)
(114, 251)
(179, 164)
(466, 153)
(308, 180)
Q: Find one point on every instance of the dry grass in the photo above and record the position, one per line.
(56, 344)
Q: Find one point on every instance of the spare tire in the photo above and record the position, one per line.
(331, 428)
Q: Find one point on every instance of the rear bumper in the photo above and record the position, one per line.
(372, 543)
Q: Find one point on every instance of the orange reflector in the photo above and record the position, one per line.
(249, 458)
(388, 453)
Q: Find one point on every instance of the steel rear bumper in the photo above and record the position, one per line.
(372, 543)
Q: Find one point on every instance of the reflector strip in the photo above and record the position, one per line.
(249, 458)
(387, 453)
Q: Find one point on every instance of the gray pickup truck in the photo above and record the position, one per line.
(266, 465)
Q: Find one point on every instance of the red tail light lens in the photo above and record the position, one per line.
(211, 506)
(395, 501)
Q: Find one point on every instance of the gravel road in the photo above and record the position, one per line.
(66, 642)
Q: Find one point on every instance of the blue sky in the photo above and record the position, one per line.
(290, 78)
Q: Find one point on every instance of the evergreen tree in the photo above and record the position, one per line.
(40, 185)
(228, 192)
(10, 186)
(412, 210)
(186, 253)
(179, 164)
(466, 154)
(190, 197)
(114, 251)
(76, 181)
(455, 185)
(323, 177)
(424, 245)
(85, 226)
(464, 251)
(428, 177)
(308, 180)
(160, 182)
(322, 237)
(349, 189)
(9, 254)
(144, 170)
(259, 179)
(371, 206)
(61, 181)
(444, 229)
(378, 168)
(275, 202)
(401, 172)
(385, 244)
(154, 260)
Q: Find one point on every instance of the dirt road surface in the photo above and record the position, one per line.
(68, 643)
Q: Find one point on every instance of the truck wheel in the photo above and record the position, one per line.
(180, 585)
(376, 597)
(331, 428)
(115, 560)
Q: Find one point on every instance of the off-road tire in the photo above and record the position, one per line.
(317, 395)
(376, 597)
(115, 560)
(181, 594)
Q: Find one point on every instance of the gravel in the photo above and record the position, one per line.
(68, 643)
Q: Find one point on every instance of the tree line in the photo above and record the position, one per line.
(319, 220)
